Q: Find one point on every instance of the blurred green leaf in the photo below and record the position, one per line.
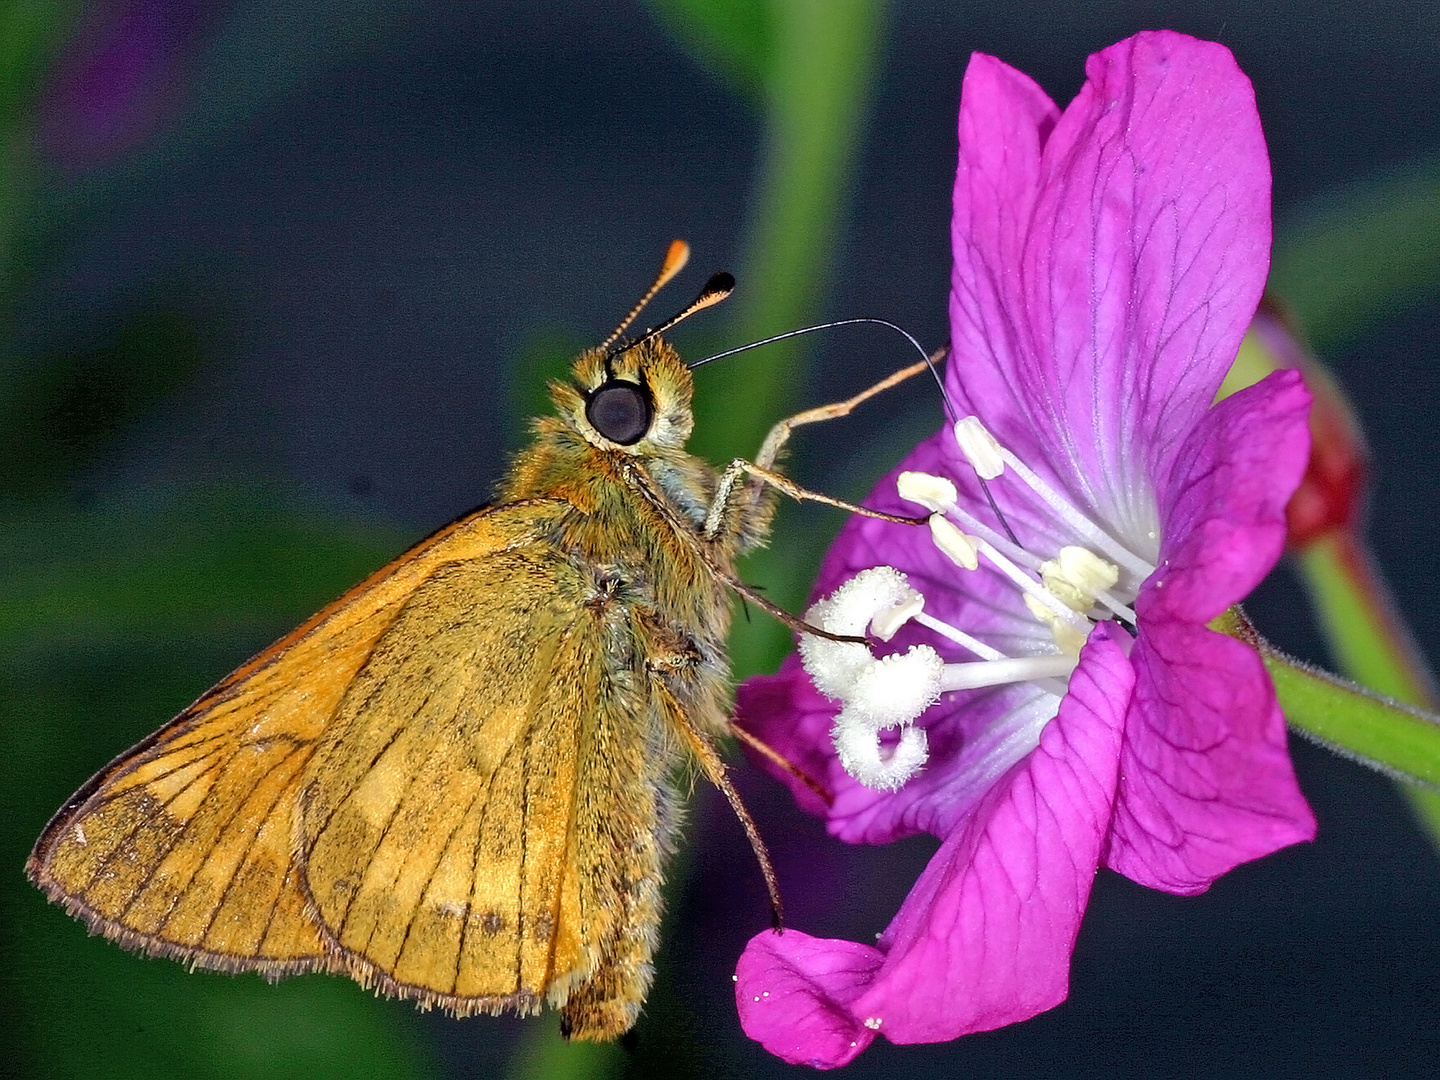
(112, 620)
(61, 413)
(1361, 254)
(29, 31)
(95, 1011)
(819, 96)
(544, 1055)
(733, 37)
(220, 558)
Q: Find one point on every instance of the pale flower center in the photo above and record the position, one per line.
(1092, 579)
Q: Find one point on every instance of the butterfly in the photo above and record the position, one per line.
(457, 783)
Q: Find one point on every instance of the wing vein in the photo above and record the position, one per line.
(105, 862)
(249, 847)
(429, 880)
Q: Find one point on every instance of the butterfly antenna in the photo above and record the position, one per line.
(930, 360)
(716, 289)
(676, 257)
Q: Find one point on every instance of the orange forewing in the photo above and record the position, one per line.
(185, 845)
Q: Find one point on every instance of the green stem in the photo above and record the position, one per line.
(1374, 729)
(1359, 621)
(818, 91)
(1368, 639)
(1397, 739)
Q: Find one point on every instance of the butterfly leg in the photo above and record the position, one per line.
(715, 518)
(715, 772)
(762, 473)
(780, 434)
(765, 750)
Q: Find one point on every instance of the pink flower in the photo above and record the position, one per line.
(1064, 705)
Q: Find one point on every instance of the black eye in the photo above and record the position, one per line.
(620, 411)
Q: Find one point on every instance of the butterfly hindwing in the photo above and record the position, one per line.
(480, 823)
(184, 845)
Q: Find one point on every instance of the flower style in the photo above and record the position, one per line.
(1052, 698)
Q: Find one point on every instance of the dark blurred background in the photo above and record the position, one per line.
(279, 283)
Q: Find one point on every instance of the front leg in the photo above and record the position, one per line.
(774, 445)
(780, 433)
(715, 517)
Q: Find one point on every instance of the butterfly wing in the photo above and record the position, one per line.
(481, 822)
(184, 845)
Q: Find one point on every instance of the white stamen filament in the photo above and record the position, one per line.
(973, 526)
(1117, 551)
(994, 673)
(1120, 610)
(959, 637)
(1033, 588)
(971, 676)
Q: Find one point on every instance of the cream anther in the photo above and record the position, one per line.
(1083, 526)
(959, 637)
(979, 447)
(1035, 592)
(1065, 633)
(888, 621)
(1077, 577)
(935, 493)
(960, 549)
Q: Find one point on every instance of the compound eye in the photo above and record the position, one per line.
(620, 411)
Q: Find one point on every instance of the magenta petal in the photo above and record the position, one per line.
(984, 938)
(1224, 506)
(1148, 253)
(1206, 781)
(793, 991)
(1145, 248)
(1005, 119)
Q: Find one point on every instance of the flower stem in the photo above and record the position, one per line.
(1396, 739)
(1369, 640)
(1374, 729)
(1357, 616)
(1359, 621)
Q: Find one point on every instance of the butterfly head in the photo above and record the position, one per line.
(636, 401)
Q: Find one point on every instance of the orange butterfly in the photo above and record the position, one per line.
(455, 783)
